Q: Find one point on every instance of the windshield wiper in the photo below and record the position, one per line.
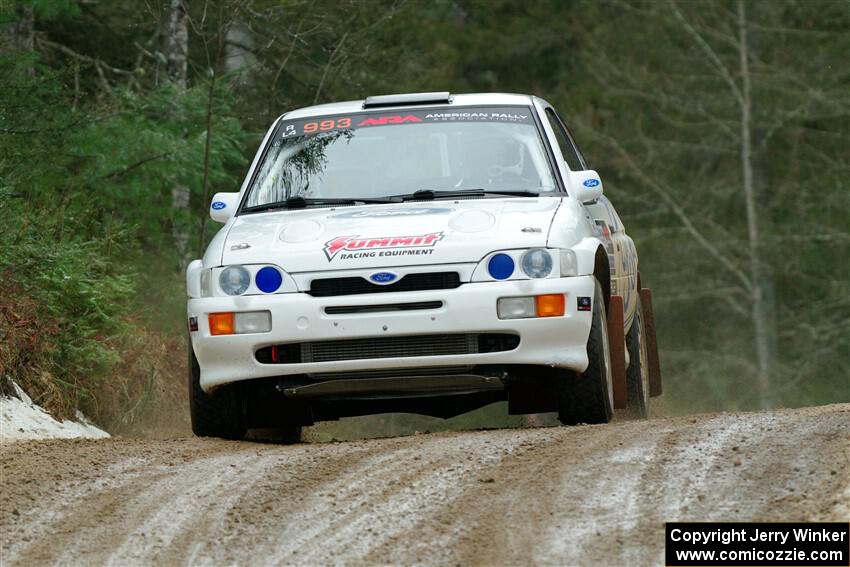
(430, 195)
(299, 202)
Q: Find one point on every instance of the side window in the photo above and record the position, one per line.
(565, 141)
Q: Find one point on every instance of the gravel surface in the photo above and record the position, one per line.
(566, 496)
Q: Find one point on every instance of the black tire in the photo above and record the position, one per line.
(637, 374)
(219, 414)
(587, 397)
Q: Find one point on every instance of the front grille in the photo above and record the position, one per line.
(387, 347)
(327, 287)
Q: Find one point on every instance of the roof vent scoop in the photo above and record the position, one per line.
(407, 99)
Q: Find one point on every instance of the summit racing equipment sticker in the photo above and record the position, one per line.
(353, 247)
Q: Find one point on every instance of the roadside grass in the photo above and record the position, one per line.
(130, 383)
(146, 395)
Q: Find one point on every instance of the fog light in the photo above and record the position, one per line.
(253, 322)
(515, 307)
(551, 305)
(221, 324)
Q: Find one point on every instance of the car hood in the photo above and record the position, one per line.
(370, 236)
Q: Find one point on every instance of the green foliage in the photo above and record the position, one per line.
(87, 191)
(78, 291)
(52, 9)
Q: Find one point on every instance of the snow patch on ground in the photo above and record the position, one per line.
(21, 418)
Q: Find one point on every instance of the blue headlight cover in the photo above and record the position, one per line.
(501, 266)
(268, 279)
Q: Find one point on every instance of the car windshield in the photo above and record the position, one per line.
(373, 155)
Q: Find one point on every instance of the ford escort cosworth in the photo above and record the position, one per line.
(427, 253)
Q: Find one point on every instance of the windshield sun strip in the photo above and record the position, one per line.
(532, 120)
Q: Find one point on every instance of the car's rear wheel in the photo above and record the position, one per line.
(637, 374)
(588, 397)
(218, 414)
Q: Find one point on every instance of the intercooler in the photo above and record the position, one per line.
(387, 347)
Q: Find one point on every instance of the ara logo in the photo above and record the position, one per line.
(380, 120)
(218, 205)
(383, 278)
(591, 182)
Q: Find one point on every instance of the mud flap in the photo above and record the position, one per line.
(651, 344)
(617, 342)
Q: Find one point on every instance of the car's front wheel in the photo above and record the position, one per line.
(218, 414)
(588, 397)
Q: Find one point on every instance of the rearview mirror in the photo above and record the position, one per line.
(586, 186)
(223, 206)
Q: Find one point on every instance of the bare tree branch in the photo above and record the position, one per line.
(709, 52)
(666, 196)
(125, 170)
(328, 66)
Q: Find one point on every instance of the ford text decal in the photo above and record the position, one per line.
(218, 205)
(354, 247)
(590, 182)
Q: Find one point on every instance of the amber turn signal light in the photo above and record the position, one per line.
(222, 324)
(551, 305)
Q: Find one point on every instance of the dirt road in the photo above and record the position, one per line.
(593, 494)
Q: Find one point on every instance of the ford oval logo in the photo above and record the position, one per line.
(383, 278)
(218, 205)
(590, 182)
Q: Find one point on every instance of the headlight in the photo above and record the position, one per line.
(569, 264)
(234, 280)
(268, 279)
(500, 266)
(537, 263)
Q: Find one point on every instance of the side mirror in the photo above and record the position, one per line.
(223, 206)
(586, 186)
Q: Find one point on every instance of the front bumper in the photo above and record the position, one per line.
(471, 308)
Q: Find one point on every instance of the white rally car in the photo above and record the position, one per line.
(426, 253)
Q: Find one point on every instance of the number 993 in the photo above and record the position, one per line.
(326, 125)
